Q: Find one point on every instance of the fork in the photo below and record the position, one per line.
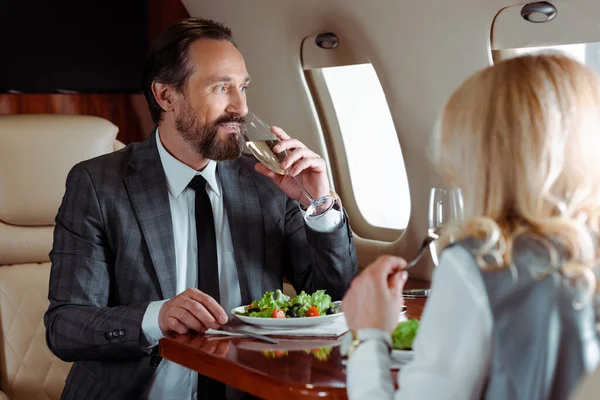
(432, 234)
(233, 329)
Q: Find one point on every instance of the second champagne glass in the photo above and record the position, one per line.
(445, 205)
(260, 140)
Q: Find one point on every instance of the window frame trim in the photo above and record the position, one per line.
(340, 167)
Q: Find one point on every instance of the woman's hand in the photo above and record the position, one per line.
(374, 299)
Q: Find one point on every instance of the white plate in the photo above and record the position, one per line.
(285, 323)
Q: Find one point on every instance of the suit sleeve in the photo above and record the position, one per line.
(332, 263)
(80, 325)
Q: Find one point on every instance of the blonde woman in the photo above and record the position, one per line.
(511, 312)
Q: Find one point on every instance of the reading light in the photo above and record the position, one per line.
(327, 40)
(539, 12)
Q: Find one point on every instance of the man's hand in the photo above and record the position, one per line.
(307, 166)
(374, 299)
(191, 310)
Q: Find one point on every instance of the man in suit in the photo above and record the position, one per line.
(171, 233)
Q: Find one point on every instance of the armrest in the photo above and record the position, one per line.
(3, 396)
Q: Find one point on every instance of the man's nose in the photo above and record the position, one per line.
(237, 103)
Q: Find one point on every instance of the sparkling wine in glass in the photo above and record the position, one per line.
(260, 140)
(445, 205)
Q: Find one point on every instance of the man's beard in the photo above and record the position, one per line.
(204, 138)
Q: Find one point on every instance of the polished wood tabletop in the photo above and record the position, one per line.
(292, 369)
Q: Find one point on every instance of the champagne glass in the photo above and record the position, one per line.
(445, 205)
(260, 140)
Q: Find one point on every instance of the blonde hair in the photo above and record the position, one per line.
(522, 140)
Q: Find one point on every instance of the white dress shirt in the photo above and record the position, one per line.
(172, 381)
(452, 348)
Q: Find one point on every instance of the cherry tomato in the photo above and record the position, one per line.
(313, 312)
(278, 313)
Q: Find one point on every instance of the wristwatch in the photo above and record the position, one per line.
(350, 343)
(352, 339)
(336, 198)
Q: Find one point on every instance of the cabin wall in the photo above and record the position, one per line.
(126, 109)
(422, 50)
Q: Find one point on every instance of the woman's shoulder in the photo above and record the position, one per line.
(530, 246)
(460, 255)
(466, 247)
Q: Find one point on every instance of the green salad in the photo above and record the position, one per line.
(404, 334)
(278, 305)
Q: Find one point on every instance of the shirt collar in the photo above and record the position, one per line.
(179, 174)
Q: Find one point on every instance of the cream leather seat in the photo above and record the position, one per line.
(36, 153)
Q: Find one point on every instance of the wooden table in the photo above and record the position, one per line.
(292, 369)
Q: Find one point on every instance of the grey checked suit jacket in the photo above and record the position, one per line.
(113, 253)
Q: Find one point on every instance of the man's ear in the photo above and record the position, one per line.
(163, 94)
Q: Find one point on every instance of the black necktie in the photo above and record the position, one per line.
(208, 271)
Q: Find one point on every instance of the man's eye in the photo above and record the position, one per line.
(221, 89)
(244, 88)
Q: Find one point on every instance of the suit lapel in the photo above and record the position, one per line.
(244, 215)
(147, 189)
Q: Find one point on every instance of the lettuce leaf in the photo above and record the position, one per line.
(321, 300)
(265, 306)
(301, 303)
(264, 313)
(404, 334)
(271, 300)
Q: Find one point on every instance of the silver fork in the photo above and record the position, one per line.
(432, 234)
(234, 328)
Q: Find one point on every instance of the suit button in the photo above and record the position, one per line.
(121, 332)
(154, 361)
(109, 335)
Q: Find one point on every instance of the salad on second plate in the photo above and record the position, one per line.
(278, 305)
(404, 334)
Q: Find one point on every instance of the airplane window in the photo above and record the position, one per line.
(576, 51)
(374, 158)
(573, 31)
(587, 53)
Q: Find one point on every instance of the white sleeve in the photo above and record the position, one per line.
(368, 373)
(329, 222)
(150, 326)
(452, 347)
(454, 342)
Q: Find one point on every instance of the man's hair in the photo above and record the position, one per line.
(167, 60)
